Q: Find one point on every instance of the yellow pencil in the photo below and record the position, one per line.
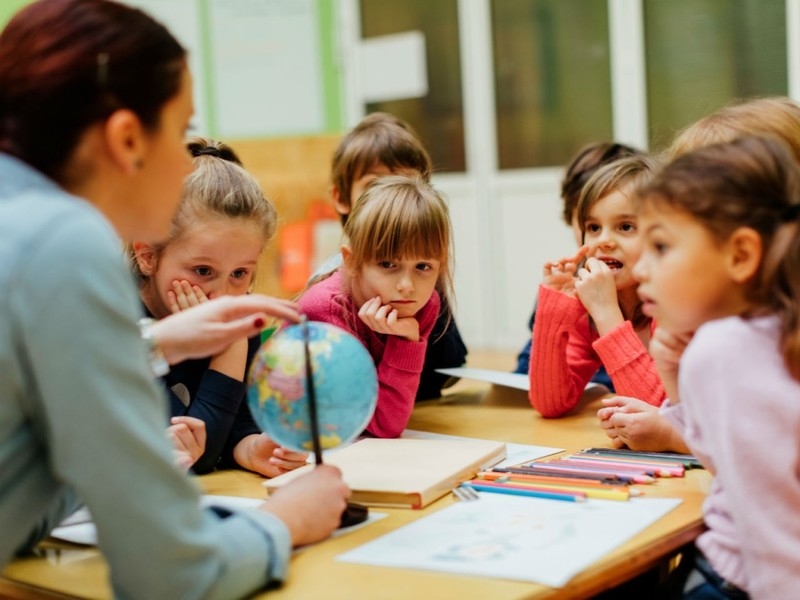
(591, 492)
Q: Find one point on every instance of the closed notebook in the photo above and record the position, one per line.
(408, 473)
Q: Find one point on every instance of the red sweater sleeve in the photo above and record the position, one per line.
(398, 376)
(629, 365)
(397, 360)
(562, 359)
(569, 353)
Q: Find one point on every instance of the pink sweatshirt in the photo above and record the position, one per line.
(567, 351)
(398, 361)
(740, 415)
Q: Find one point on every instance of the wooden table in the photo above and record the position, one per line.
(470, 410)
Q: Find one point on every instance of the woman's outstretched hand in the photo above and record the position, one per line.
(210, 327)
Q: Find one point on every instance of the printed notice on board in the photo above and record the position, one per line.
(267, 74)
(181, 17)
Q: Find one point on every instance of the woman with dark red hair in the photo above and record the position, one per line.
(95, 99)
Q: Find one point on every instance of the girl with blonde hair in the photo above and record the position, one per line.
(397, 266)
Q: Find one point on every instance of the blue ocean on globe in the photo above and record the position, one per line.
(345, 382)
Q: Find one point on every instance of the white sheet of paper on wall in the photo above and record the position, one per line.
(392, 67)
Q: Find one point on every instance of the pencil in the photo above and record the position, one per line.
(615, 465)
(520, 470)
(622, 494)
(521, 491)
(687, 460)
(591, 491)
(597, 473)
(548, 479)
(659, 469)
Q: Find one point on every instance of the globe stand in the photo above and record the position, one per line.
(353, 513)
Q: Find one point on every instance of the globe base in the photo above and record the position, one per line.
(353, 515)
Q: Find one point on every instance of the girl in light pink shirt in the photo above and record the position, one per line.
(720, 271)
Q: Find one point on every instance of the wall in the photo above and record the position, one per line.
(8, 8)
(293, 173)
(292, 166)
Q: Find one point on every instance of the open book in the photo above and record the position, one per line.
(409, 473)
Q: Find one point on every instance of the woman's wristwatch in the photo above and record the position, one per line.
(158, 362)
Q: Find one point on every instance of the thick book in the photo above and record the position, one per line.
(408, 473)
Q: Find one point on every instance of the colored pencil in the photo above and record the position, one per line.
(659, 469)
(521, 491)
(597, 473)
(670, 464)
(603, 466)
(615, 465)
(673, 467)
(520, 470)
(549, 480)
(604, 493)
(687, 460)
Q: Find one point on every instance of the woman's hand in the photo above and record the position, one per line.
(311, 506)
(188, 437)
(382, 318)
(260, 454)
(210, 327)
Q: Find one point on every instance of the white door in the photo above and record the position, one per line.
(516, 87)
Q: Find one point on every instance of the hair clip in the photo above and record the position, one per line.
(790, 213)
(102, 69)
(207, 151)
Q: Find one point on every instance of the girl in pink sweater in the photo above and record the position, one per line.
(721, 261)
(396, 255)
(588, 312)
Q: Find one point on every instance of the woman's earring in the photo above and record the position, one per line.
(138, 163)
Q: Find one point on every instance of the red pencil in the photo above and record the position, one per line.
(670, 470)
(531, 470)
(598, 473)
(619, 466)
(547, 479)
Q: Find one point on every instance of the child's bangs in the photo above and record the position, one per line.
(404, 228)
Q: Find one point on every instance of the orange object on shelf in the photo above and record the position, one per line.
(296, 245)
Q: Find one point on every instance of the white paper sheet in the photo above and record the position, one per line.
(393, 67)
(510, 537)
(78, 528)
(515, 453)
(517, 381)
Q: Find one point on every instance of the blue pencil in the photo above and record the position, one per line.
(513, 491)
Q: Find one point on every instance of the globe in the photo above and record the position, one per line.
(345, 385)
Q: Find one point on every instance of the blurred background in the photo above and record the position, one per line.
(502, 93)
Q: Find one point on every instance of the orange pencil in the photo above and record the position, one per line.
(615, 493)
(546, 479)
